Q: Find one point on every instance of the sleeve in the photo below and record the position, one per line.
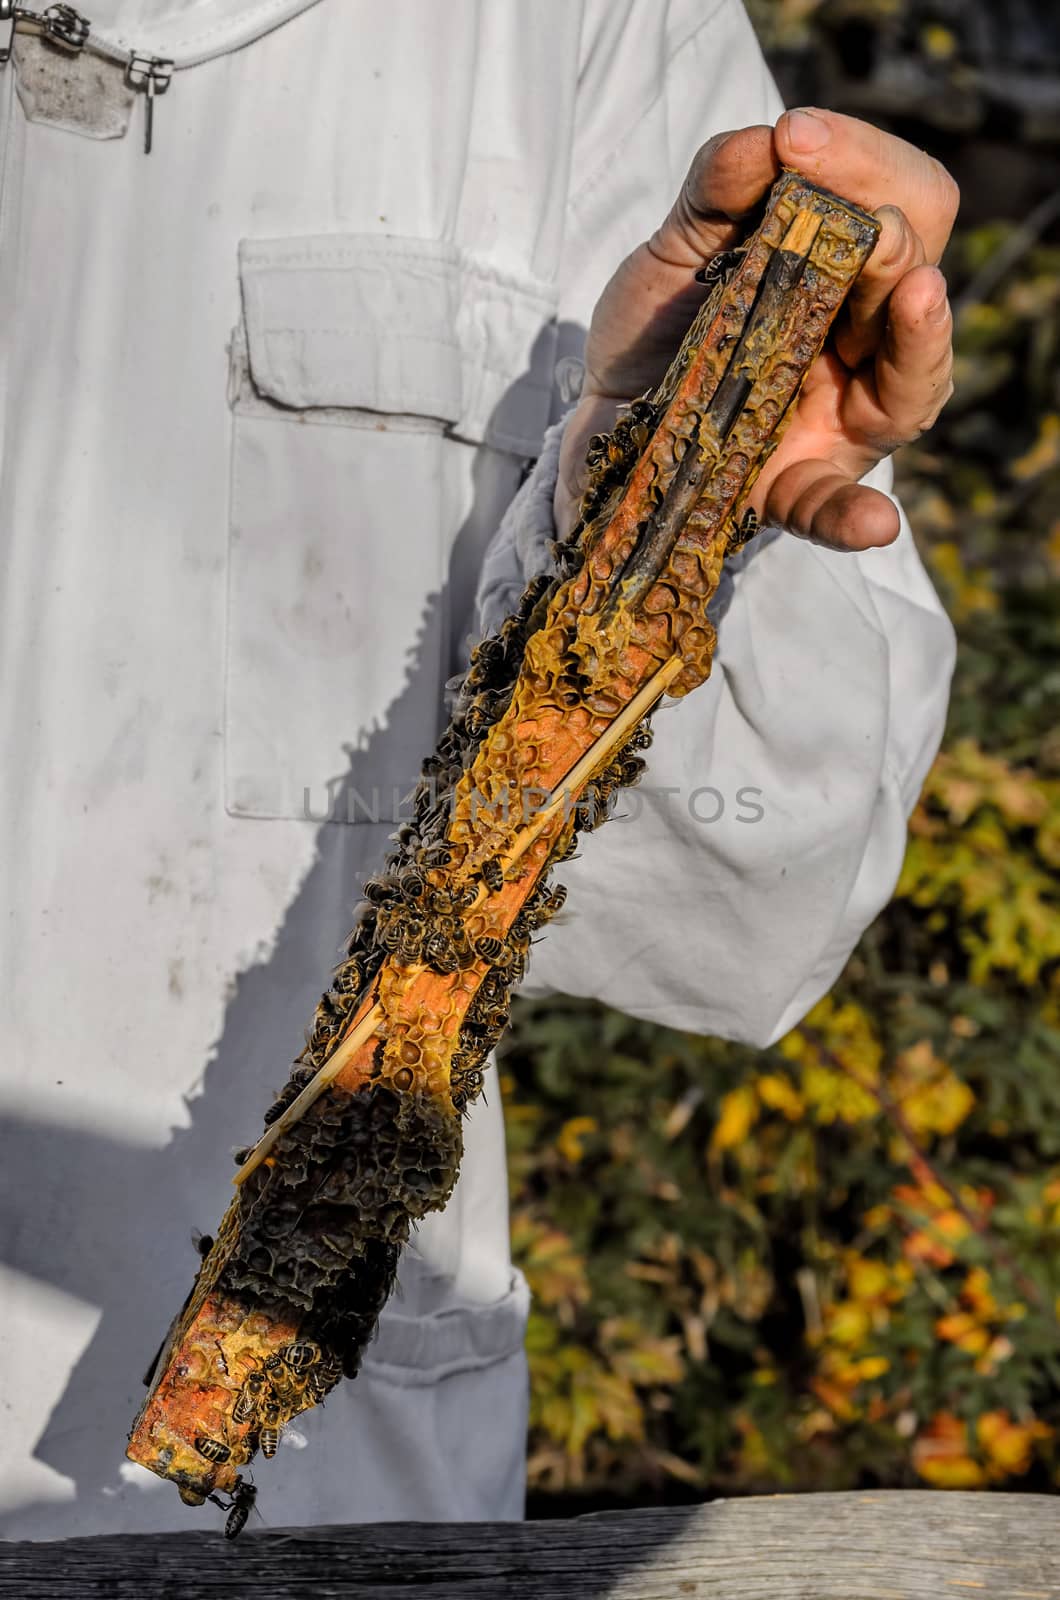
(729, 888)
(656, 79)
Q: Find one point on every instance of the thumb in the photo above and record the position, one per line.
(728, 177)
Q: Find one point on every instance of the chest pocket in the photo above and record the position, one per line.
(367, 377)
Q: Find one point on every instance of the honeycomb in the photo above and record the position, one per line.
(552, 717)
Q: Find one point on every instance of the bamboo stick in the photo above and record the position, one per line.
(594, 758)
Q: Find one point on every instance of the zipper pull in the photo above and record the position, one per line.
(61, 24)
(149, 76)
(10, 17)
(65, 27)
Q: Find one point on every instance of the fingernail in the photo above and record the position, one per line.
(938, 307)
(807, 132)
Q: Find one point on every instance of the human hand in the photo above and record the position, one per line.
(885, 373)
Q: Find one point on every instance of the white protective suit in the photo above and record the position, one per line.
(265, 396)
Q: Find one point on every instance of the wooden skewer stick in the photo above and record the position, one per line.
(344, 1051)
(614, 734)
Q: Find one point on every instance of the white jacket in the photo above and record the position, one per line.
(265, 395)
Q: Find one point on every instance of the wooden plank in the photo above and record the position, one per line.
(890, 1545)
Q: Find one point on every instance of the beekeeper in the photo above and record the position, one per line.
(266, 393)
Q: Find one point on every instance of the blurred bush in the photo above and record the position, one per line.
(837, 1262)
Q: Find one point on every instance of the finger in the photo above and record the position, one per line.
(641, 317)
(817, 501)
(912, 377)
(727, 178)
(898, 250)
(872, 168)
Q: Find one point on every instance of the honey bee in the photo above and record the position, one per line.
(413, 884)
(250, 1397)
(285, 1383)
(493, 703)
(212, 1449)
(349, 978)
(443, 854)
(389, 929)
(490, 948)
(630, 770)
(748, 527)
(553, 902)
(245, 1407)
(413, 933)
(467, 1083)
(280, 1104)
(594, 805)
(440, 953)
(378, 890)
(240, 1507)
(301, 1355)
(494, 988)
(492, 872)
(318, 1383)
(488, 654)
(323, 1377)
(476, 720)
(640, 739)
(493, 1024)
(270, 1439)
(462, 898)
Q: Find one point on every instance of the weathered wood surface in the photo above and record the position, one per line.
(890, 1545)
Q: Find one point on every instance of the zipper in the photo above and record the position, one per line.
(146, 72)
(149, 76)
(61, 24)
(64, 26)
(10, 181)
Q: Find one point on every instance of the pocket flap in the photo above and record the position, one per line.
(357, 322)
(382, 323)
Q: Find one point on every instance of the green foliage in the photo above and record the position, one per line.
(837, 1262)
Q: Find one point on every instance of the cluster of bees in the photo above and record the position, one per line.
(288, 1381)
(409, 914)
(610, 458)
(403, 913)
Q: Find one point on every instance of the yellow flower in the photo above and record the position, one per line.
(962, 1329)
(977, 1293)
(779, 1093)
(868, 1280)
(849, 1324)
(941, 1455)
(570, 1136)
(1043, 453)
(736, 1117)
(836, 1098)
(834, 1397)
(1009, 1445)
(932, 1098)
